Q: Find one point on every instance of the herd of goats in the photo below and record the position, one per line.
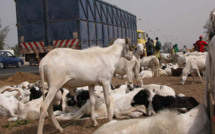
(89, 73)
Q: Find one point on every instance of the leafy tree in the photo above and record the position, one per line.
(3, 34)
(167, 47)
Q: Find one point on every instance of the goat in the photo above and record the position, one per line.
(165, 58)
(182, 104)
(146, 74)
(145, 97)
(31, 110)
(194, 65)
(151, 62)
(195, 121)
(129, 67)
(120, 105)
(8, 106)
(20, 94)
(139, 51)
(76, 68)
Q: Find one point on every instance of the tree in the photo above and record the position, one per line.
(167, 47)
(3, 34)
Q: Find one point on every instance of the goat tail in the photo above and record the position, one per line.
(41, 70)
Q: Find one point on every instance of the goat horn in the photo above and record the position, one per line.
(10, 90)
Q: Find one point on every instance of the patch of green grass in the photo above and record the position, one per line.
(16, 123)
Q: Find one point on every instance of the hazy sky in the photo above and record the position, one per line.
(179, 21)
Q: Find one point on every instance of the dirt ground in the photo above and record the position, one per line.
(195, 90)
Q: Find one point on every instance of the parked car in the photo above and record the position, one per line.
(8, 59)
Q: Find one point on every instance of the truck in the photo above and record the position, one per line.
(44, 25)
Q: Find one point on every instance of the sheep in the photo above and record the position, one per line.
(76, 68)
(194, 65)
(151, 62)
(195, 121)
(129, 67)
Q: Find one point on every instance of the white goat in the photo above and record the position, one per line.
(195, 121)
(151, 62)
(162, 90)
(8, 106)
(76, 68)
(23, 95)
(129, 67)
(118, 99)
(146, 74)
(123, 108)
(194, 65)
(139, 50)
(165, 58)
(31, 110)
(100, 110)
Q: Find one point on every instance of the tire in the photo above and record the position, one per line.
(1, 65)
(19, 64)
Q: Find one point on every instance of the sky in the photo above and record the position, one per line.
(178, 21)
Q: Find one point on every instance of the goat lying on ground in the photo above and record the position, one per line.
(31, 110)
(182, 104)
(195, 121)
(120, 105)
(77, 68)
(8, 106)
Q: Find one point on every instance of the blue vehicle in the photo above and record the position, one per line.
(44, 25)
(8, 59)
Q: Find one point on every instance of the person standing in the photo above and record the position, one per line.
(200, 44)
(176, 48)
(173, 50)
(157, 48)
(184, 49)
(149, 47)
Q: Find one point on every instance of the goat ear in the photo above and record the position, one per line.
(111, 42)
(128, 42)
